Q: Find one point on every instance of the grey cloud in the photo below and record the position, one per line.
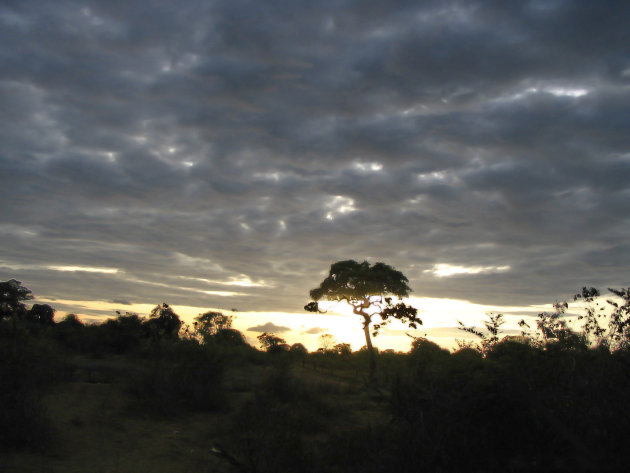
(315, 331)
(211, 139)
(269, 327)
(121, 301)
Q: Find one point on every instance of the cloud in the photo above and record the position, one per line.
(315, 331)
(269, 327)
(121, 301)
(188, 151)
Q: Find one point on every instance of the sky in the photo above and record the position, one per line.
(223, 154)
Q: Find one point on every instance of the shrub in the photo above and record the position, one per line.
(28, 367)
(182, 377)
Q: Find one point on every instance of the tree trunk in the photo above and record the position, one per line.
(368, 340)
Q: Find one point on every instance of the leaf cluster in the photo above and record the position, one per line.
(368, 289)
(352, 281)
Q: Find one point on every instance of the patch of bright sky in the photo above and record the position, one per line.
(339, 205)
(368, 167)
(86, 269)
(557, 91)
(62, 268)
(19, 230)
(242, 280)
(190, 289)
(274, 176)
(186, 260)
(435, 176)
(443, 270)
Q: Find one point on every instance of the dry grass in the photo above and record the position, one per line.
(98, 428)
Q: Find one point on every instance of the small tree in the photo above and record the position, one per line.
(299, 351)
(229, 336)
(367, 289)
(326, 341)
(163, 322)
(342, 349)
(493, 326)
(619, 324)
(41, 314)
(12, 293)
(271, 342)
(210, 324)
(617, 334)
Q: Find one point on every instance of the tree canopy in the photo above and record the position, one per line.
(209, 324)
(272, 343)
(164, 321)
(12, 293)
(370, 291)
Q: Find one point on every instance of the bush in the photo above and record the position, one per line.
(521, 408)
(183, 377)
(28, 367)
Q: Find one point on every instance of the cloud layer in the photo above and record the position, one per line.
(225, 153)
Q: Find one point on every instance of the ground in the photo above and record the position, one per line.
(98, 426)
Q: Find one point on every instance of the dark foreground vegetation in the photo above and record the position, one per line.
(135, 394)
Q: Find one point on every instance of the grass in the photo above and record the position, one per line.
(184, 408)
(99, 424)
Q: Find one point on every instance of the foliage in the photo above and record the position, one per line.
(183, 377)
(367, 289)
(422, 347)
(41, 314)
(298, 349)
(326, 341)
(229, 336)
(617, 334)
(163, 322)
(519, 398)
(550, 326)
(29, 365)
(210, 323)
(12, 294)
(619, 324)
(280, 418)
(492, 325)
(272, 343)
(342, 349)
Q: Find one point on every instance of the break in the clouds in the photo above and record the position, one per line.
(225, 153)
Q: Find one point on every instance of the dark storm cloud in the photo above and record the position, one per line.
(226, 153)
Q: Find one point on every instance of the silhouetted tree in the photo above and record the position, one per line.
(272, 343)
(619, 323)
(71, 320)
(298, 348)
(326, 341)
(41, 314)
(493, 326)
(617, 334)
(229, 336)
(367, 289)
(343, 349)
(209, 324)
(12, 293)
(163, 322)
